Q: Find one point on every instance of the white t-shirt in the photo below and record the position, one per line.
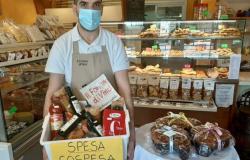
(60, 58)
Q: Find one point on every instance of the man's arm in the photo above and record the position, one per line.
(122, 82)
(56, 81)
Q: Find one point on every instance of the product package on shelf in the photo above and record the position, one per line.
(186, 88)
(142, 85)
(164, 86)
(209, 90)
(174, 87)
(153, 85)
(34, 33)
(76, 122)
(133, 81)
(209, 138)
(197, 89)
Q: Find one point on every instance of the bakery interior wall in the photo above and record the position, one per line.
(21, 11)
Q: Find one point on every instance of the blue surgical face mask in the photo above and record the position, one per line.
(90, 19)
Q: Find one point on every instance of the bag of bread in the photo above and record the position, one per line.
(209, 138)
(186, 88)
(197, 89)
(142, 85)
(174, 87)
(164, 85)
(154, 85)
(209, 90)
(168, 139)
(132, 81)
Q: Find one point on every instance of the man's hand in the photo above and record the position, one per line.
(131, 144)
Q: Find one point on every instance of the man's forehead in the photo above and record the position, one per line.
(92, 1)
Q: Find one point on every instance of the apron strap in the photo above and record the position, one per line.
(75, 47)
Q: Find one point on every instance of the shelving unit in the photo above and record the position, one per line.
(27, 44)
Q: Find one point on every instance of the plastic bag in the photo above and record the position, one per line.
(164, 85)
(154, 85)
(142, 86)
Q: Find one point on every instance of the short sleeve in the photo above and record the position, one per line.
(56, 62)
(120, 61)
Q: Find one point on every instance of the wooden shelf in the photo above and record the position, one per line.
(21, 61)
(27, 44)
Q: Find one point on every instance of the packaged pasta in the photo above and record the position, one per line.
(132, 82)
(164, 85)
(186, 88)
(209, 90)
(197, 89)
(142, 85)
(154, 85)
(174, 87)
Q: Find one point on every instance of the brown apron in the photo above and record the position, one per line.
(88, 67)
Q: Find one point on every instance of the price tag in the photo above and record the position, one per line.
(209, 84)
(224, 45)
(174, 83)
(198, 84)
(224, 95)
(186, 83)
(164, 83)
(108, 149)
(100, 92)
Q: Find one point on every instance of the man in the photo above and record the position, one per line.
(84, 53)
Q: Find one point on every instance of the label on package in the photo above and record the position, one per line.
(174, 83)
(154, 80)
(186, 83)
(132, 78)
(164, 83)
(209, 84)
(198, 84)
(142, 80)
(100, 92)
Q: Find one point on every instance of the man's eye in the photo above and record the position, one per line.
(83, 4)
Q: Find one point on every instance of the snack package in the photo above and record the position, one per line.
(132, 82)
(171, 139)
(186, 88)
(154, 85)
(209, 90)
(179, 120)
(197, 89)
(142, 86)
(164, 85)
(174, 87)
(209, 138)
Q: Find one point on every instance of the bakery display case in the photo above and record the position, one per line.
(23, 86)
(189, 66)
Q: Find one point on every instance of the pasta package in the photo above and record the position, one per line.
(209, 90)
(197, 89)
(174, 87)
(154, 85)
(133, 83)
(164, 85)
(142, 85)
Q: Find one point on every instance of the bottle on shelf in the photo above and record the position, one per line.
(56, 119)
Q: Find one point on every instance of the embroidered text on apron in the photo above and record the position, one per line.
(87, 67)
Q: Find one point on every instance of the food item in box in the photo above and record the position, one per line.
(174, 87)
(209, 89)
(142, 86)
(69, 126)
(114, 122)
(24, 117)
(169, 139)
(209, 138)
(56, 120)
(94, 111)
(62, 98)
(186, 88)
(164, 85)
(77, 133)
(153, 85)
(118, 104)
(197, 89)
(179, 120)
(132, 82)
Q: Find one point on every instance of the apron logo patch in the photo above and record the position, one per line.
(82, 62)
